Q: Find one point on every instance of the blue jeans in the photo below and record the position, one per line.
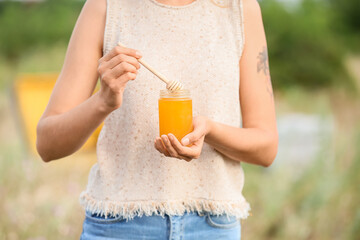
(190, 226)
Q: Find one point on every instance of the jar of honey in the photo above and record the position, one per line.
(175, 113)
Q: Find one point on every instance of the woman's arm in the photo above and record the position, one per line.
(73, 113)
(256, 142)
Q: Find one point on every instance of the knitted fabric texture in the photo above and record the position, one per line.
(199, 44)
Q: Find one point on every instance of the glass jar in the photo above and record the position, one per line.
(175, 113)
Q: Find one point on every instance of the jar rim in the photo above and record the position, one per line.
(183, 93)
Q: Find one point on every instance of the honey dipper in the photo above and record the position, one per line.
(171, 85)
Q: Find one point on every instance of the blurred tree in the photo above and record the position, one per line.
(349, 10)
(306, 41)
(347, 21)
(24, 26)
(303, 49)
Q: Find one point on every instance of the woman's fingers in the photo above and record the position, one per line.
(115, 69)
(115, 61)
(198, 132)
(168, 146)
(120, 50)
(122, 69)
(117, 80)
(185, 152)
(192, 137)
(191, 145)
(125, 78)
(171, 147)
(160, 147)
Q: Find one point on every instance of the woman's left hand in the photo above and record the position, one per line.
(190, 146)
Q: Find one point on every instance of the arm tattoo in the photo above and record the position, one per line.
(263, 62)
(263, 67)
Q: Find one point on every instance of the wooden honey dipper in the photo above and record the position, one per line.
(171, 85)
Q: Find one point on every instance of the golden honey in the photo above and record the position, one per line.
(175, 113)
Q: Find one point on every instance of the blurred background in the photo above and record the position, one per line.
(310, 192)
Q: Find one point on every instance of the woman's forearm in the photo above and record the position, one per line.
(61, 135)
(252, 145)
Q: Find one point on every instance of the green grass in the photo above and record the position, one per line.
(320, 203)
(37, 200)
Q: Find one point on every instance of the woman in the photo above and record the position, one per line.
(135, 191)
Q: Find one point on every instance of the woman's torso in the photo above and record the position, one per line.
(200, 45)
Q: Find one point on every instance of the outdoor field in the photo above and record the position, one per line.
(311, 192)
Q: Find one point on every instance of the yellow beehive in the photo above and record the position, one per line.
(32, 94)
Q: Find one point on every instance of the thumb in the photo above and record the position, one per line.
(191, 137)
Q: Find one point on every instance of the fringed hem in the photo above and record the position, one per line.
(129, 210)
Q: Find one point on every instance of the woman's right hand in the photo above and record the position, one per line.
(115, 69)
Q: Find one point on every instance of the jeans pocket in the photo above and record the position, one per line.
(222, 221)
(97, 218)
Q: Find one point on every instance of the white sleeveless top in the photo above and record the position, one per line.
(199, 44)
